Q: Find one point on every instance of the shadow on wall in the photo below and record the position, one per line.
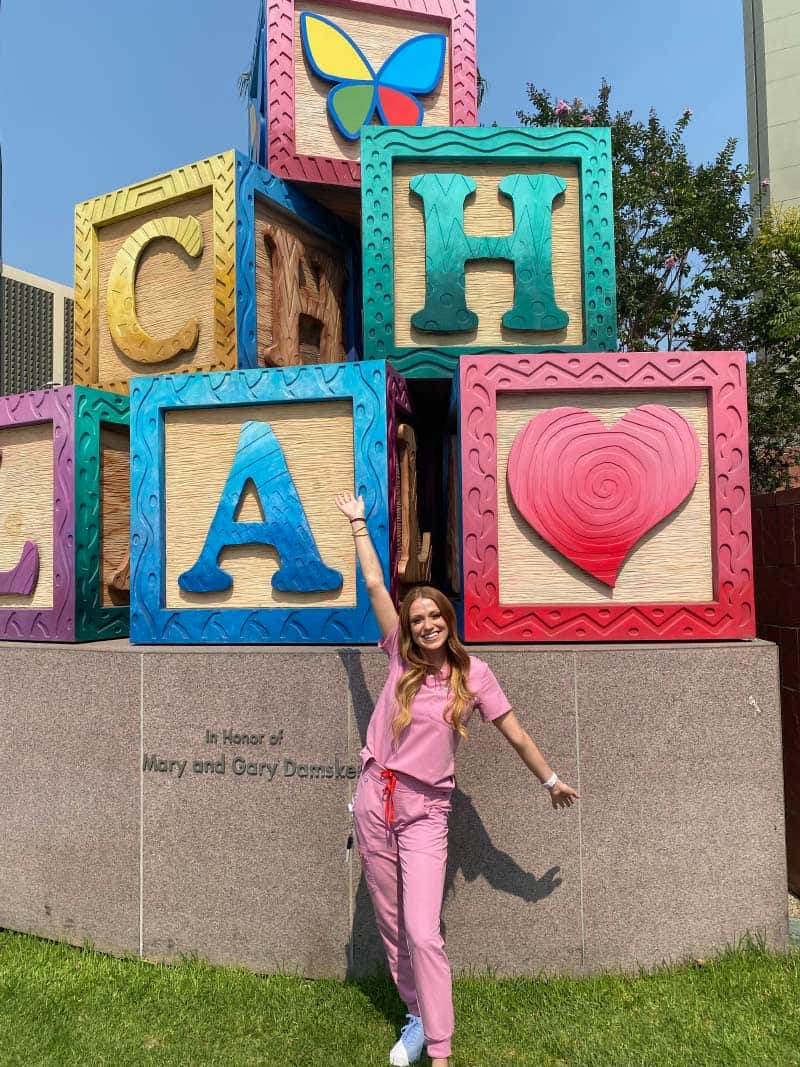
(470, 851)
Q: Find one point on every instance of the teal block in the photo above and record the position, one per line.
(445, 327)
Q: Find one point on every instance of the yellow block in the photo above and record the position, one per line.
(165, 249)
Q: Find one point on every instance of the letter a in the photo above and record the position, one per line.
(259, 459)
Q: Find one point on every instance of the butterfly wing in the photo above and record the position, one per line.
(332, 53)
(417, 65)
(397, 108)
(351, 106)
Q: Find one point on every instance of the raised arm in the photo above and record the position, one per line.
(352, 507)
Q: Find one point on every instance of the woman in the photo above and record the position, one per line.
(403, 800)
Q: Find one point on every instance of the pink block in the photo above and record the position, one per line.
(455, 18)
(553, 498)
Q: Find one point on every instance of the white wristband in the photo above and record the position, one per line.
(551, 781)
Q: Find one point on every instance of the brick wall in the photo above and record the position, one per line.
(776, 555)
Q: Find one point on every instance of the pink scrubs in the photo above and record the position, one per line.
(401, 827)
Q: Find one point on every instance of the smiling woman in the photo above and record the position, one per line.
(407, 777)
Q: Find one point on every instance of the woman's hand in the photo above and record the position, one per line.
(563, 795)
(352, 507)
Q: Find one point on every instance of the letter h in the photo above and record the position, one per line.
(306, 284)
(448, 249)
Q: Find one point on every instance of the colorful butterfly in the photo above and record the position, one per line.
(416, 67)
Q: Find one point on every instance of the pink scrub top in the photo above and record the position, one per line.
(427, 747)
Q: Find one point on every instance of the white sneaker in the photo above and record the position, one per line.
(412, 1040)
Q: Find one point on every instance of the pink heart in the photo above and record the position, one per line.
(593, 491)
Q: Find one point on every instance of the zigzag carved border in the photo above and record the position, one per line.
(365, 384)
(730, 615)
(217, 174)
(94, 621)
(382, 145)
(281, 147)
(55, 406)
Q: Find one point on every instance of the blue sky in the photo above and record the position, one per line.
(95, 96)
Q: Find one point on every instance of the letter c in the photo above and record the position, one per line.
(126, 330)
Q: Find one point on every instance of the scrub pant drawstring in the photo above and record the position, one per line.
(388, 795)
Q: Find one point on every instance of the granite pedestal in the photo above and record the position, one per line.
(162, 800)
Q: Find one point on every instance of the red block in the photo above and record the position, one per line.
(586, 483)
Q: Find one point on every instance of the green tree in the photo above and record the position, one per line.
(682, 231)
(774, 380)
(690, 274)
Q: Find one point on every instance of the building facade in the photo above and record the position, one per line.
(36, 320)
(772, 66)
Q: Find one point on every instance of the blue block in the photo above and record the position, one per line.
(254, 182)
(170, 610)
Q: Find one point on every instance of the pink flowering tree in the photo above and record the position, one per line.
(682, 230)
(690, 273)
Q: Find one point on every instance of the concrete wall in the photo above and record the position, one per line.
(772, 70)
(776, 557)
(676, 848)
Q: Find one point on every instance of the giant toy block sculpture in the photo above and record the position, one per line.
(64, 489)
(212, 266)
(235, 534)
(335, 67)
(486, 240)
(605, 497)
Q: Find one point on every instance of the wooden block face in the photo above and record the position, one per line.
(26, 507)
(317, 441)
(486, 240)
(102, 515)
(37, 516)
(672, 561)
(378, 34)
(172, 275)
(605, 497)
(155, 276)
(235, 537)
(172, 287)
(334, 67)
(115, 499)
(63, 514)
(301, 288)
(489, 283)
(295, 286)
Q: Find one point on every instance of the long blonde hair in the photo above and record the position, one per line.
(408, 686)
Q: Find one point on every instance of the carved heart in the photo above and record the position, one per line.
(593, 491)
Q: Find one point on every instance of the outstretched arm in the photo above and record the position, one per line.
(352, 507)
(561, 794)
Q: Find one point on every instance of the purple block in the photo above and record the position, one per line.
(56, 623)
(54, 436)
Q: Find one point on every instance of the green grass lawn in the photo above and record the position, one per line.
(61, 1006)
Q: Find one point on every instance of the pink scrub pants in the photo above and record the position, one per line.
(402, 840)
